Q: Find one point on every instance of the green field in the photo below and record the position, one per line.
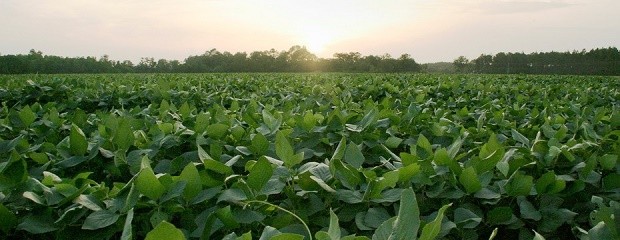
(320, 156)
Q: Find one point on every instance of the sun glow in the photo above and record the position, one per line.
(316, 40)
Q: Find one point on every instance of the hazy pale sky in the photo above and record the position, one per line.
(430, 31)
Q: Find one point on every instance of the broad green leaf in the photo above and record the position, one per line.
(194, 184)
(385, 230)
(519, 185)
(527, 209)
(425, 144)
(469, 179)
(600, 231)
(8, 220)
(260, 173)
(466, 218)
(148, 184)
(165, 230)
(406, 173)
(354, 156)
(393, 142)
(260, 145)
(432, 229)
(27, 116)
(608, 161)
(225, 215)
(13, 174)
(287, 236)
(407, 222)
(217, 131)
(123, 137)
(77, 141)
(37, 224)
(202, 121)
(499, 215)
(232, 195)
(611, 182)
(548, 183)
(284, 150)
(100, 219)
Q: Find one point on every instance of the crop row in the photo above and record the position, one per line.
(286, 156)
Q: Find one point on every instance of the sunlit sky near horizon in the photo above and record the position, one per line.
(431, 31)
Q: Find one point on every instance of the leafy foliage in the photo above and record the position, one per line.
(294, 156)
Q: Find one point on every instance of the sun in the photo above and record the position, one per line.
(316, 40)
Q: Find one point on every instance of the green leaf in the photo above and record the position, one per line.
(406, 173)
(225, 215)
(385, 230)
(37, 224)
(499, 215)
(340, 149)
(527, 209)
(232, 195)
(519, 185)
(77, 141)
(548, 183)
(165, 230)
(27, 116)
(148, 184)
(393, 142)
(469, 180)
(432, 229)
(13, 174)
(600, 231)
(537, 236)
(517, 136)
(100, 219)
(285, 152)
(260, 173)
(8, 219)
(608, 161)
(202, 121)
(260, 145)
(354, 156)
(127, 228)
(611, 182)
(123, 137)
(407, 222)
(217, 131)
(425, 144)
(287, 236)
(466, 218)
(194, 184)
(334, 228)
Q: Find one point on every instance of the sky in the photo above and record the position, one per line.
(430, 31)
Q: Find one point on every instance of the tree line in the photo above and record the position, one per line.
(599, 61)
(296, 59)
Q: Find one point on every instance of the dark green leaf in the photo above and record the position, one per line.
(100, 219)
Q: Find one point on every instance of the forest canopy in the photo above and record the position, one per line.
(600, 61)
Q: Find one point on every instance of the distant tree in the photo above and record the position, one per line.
(461, 64)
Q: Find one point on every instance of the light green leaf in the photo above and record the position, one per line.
(334, 228)
(77, 141)
(432, 229)
(407, 222)
(469, 179)
(260, 173)
(194, 184)
(260, 145)
(165, 230)
(27, 116)
(148, 184)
